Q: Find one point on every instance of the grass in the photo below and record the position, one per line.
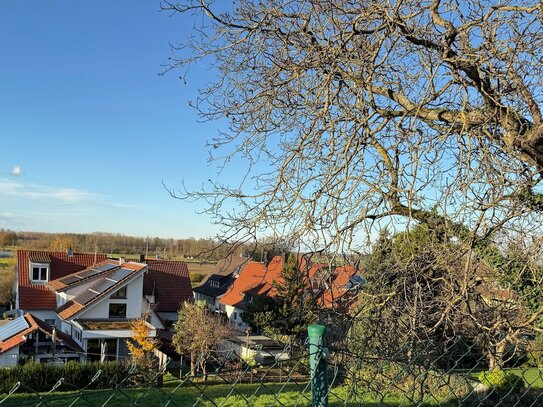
(221, 395)
(238, 395)
(532, 376)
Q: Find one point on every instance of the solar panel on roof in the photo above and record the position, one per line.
(97, 289)
(95, 270)
(105, 267)
(103, 286)
(88, 273)
(85, 297)
(120, 274)
(11, 328)
(69, 279)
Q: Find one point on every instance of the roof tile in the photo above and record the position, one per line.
(38, 296)
(169, 282)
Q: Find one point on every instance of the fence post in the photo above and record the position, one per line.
(317, 360)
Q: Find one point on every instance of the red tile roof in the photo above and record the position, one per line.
(250, 277)
(335, 295)
(169, 282)
(256, 279)
(38, 296)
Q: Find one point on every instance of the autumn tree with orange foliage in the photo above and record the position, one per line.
(141, 347)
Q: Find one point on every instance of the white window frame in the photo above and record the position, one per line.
(77, 334)
(41, 266)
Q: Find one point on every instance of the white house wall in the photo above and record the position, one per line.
(155, 320)
(234, 317)
(133, 303)
(9, 357)
(44, 314)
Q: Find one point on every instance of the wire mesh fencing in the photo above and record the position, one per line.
(312, 374)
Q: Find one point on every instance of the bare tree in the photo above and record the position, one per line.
(355, 115)
(370, 110)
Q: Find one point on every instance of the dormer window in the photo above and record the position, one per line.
(39, 273)
(249, 298)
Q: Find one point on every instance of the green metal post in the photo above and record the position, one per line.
(317, 360)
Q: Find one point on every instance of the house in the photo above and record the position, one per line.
(255, 279)
(333, 288)
(35, 269)
(166, 285)
(93, 300)
(215, 285)
(339, 289)
(29, 335)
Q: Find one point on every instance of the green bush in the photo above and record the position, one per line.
(534, 352)
(41, 377)
(501, 382)
(196, 278)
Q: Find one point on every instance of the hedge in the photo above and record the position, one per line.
(42, 377)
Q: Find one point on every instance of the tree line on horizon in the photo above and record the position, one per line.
(167, 248)
(115, 243)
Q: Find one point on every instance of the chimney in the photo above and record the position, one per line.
(121, 261)
(142, 258)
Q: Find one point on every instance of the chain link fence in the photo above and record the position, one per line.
(313, 374)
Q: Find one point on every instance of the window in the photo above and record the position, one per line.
(214, 283)
(120, 293)
(77, 334)
(117, 310)
(39, 273)
(249, 298)
(51, 321)
(235, 316)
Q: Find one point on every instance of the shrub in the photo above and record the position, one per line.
(501, 382)
(42, 377)
(196, 278)
(534, 352)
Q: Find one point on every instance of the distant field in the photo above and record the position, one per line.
(205, 268)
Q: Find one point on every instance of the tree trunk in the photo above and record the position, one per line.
(204, 370)
(193, 364)
(495, 356)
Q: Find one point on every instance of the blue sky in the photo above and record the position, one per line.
(88, 129)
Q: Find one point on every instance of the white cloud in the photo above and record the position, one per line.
(40, 192)
(16, 171)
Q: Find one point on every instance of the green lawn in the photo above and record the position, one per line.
(290, 394)
(532, 376)
(239, 395)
